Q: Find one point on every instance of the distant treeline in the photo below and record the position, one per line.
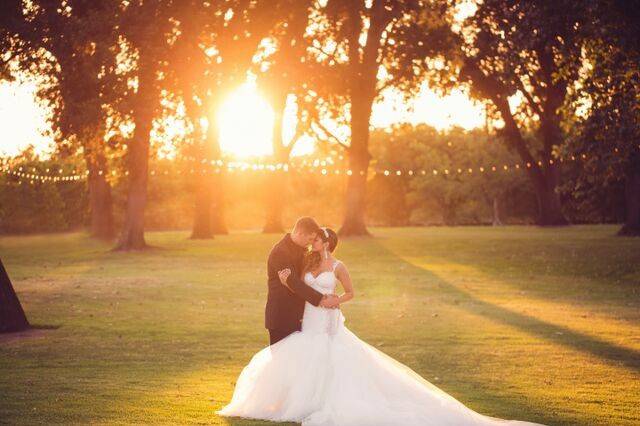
(477, 198)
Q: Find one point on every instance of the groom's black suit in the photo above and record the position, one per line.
(283, 313)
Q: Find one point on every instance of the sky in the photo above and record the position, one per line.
(22, 120)
(246, 118)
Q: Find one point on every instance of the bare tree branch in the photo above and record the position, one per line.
(534, 106)
(330, 134)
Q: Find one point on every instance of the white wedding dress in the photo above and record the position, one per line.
(325, 375)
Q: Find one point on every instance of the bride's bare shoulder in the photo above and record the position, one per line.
(337, 264)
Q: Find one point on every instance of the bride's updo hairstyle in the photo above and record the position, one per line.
(313, 258)
(329, 235)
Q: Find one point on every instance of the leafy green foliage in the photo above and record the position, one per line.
(603, 113)
(440, 188)
(29, 205)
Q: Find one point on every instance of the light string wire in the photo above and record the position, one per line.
(325, 166)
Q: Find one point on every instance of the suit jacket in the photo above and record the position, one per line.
(284, 309)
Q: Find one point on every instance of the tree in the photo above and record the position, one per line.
(451, 177)
(12, 316)
(189, 69)
(242, 44)
(513, 51)
(361, 48)
(283, 78)
(147, 27)
(604, 113)
(78, 39)
(212, 55)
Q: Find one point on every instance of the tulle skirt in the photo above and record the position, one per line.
(321, 379)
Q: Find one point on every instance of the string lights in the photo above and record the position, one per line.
(323, 166)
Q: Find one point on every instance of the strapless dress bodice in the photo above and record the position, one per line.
(324, 283)
(317, 319)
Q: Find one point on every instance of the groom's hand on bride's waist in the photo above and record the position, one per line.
(330, 301)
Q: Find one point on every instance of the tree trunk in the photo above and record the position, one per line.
(208, 217)
(100, 201)
(276, 195)
(12, 317)
(202, 223)
(213, 193)
(202, 218)
(496, 212)
(101, 205)
(277, 180)
(132, 235)
(544, 177)
(218, 216)
(545, 181)
(631, 226)
(355, 203)
(549, 210)
(549, 205)
(354, 223)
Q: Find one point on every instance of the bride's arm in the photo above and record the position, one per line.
(343, 275)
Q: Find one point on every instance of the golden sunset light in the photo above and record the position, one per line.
(455, 109)
(246, 119)
(246, 122)
(22, 118)
(319, 212)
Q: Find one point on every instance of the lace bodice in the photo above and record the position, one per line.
(317, 319)
(325, 282)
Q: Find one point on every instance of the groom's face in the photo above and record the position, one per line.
(310, 238)
(303, 239)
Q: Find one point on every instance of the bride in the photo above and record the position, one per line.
(324, 375)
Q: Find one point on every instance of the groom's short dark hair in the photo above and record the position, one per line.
(306, 225)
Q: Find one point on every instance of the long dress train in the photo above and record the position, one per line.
(325, 375)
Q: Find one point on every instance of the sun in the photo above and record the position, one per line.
(246, 124)
(245, 119)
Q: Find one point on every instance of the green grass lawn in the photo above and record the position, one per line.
(516, 322)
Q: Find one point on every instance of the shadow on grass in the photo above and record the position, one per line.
(45, 326)
(33, 331)
(618, 355)
(576, 256)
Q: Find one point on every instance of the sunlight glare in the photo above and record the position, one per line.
(23, 120)
(246, 122)
(454, 109)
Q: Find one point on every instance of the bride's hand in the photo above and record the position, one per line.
(330, 301)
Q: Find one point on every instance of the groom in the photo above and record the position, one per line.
(284, 309)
